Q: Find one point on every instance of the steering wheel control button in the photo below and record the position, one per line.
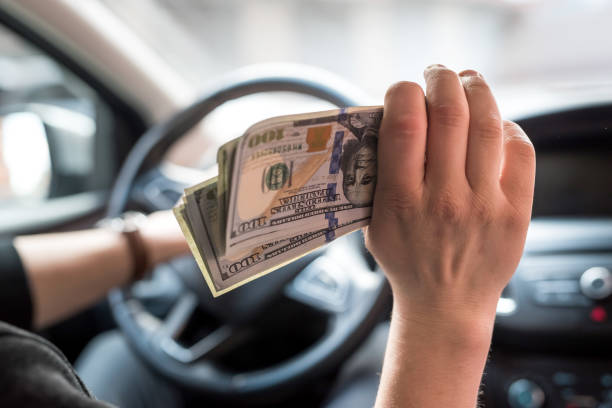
(596, 283)
(524, 393)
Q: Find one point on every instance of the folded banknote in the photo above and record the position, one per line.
(289, 185)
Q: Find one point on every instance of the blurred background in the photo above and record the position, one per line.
(374, 43)
(556, 43)
(536, 54)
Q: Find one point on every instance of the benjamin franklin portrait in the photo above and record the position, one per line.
(358, 165)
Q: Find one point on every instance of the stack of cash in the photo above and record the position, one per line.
(289, 185)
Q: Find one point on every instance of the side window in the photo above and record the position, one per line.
(54, 140)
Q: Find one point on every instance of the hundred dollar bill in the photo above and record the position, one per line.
(196, 205)
(226, 272)
(225, 160)
(302, 172)
(186, 228)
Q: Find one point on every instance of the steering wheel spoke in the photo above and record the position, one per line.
(216, 343)
(179, 315)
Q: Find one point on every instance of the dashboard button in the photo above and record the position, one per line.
(561, 299)
(544, 298)
(564, 379)
(606, 381)
(524, 393)
(596, 282)
(558, 286)
(598, 314)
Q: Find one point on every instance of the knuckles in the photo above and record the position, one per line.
(398, 201)
(405, 125)
(487, 128)
(449, 115)
(453, 208)
(511, 127)
(482, 210)
(402, 116)
(513, 221)
(523, 150)
(516, 140)
(446, 207)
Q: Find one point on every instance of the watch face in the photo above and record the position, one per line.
(132, 221)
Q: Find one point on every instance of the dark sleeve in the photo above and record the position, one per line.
(15, 299)
(34, 374)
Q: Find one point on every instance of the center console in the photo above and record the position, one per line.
(552, 345)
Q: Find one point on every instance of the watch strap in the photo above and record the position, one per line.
(128, 226)
(138, 252)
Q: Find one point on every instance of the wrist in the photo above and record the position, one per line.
(158, 250)
(465, 323)
(163, 237)
(128, 227)
(432, 346)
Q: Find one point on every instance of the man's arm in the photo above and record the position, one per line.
(70, 270)
(450, 216)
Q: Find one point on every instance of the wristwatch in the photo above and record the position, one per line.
(128, 225)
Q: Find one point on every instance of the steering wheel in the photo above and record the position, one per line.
(337, 282)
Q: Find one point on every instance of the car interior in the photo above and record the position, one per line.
(291, 338)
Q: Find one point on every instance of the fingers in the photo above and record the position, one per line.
(518, 167)
(403, 132)
(484, 147)
(458, 132)
(448, 118)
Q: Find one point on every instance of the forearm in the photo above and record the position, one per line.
(434, 359)
(70, 271)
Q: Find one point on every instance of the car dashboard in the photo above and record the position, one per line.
(551, 346)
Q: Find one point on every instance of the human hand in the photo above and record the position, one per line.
(453, 199)
(163, 237)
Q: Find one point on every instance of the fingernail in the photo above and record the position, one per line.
(470, 73)
(432, 66)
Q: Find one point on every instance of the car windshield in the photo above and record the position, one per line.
(373, 43)
(534, 53)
